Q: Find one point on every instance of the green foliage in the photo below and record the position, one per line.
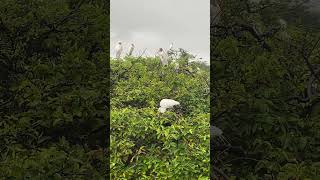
(53, 98)
(146, 144)
(260, 95)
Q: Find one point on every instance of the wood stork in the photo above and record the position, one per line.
(163, 57)
(166, 104)
(131, 48)
(118, 50)
(171, 45)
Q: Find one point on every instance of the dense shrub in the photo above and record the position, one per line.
(54, 89)
(146, 144)
(265, 94)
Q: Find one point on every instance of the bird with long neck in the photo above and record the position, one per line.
(171, 46)
(118, 50)
(163, 56)
(131, 48)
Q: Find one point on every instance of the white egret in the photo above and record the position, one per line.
(166, 104)
(163, 57)
(171, 45)
(118, 49)
(131, 49)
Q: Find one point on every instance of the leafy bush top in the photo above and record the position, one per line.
(147, 144)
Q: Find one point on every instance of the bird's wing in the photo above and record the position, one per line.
(165, 102)
(176, 103)
(162, 109)
(169, 103)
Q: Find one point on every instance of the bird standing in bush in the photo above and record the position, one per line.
(118, 50)
(163, 57)
(131, 48)
(166, 104)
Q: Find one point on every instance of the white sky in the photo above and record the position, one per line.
(153, 24)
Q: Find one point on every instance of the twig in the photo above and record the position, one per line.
(306, 60)
(142, 53)
(220, 172)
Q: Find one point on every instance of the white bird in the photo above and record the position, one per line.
(171, 45)
(163, 57)
(131, 49)
(118, 49)
(166, 104)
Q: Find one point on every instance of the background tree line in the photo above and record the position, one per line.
(54, 87)
(265, 94)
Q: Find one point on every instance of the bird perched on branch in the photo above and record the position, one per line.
(166, 104)
(171, 45)
(118, 50)
(131, 48)
(163, 56)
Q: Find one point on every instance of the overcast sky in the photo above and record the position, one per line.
(153, 24)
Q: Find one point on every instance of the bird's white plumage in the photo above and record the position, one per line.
(131, 48)
(162, 109)
(171, 45)
(118, 50)
(167, 103)
(163, 56)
